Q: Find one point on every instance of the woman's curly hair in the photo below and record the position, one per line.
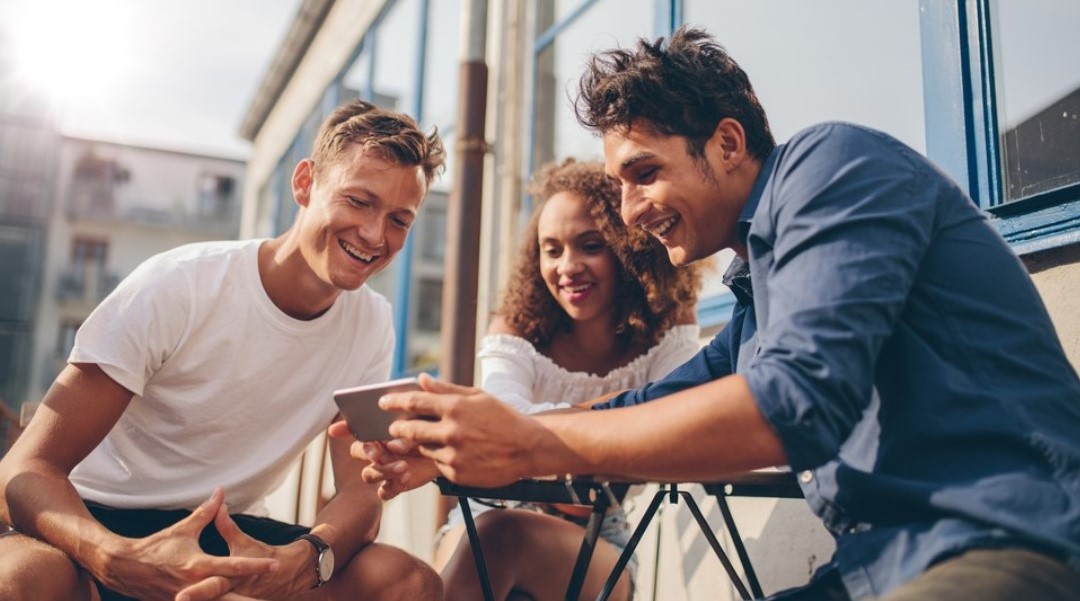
(650, 290)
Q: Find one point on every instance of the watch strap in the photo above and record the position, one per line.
(320, 548)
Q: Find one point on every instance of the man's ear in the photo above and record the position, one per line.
(728, 142)
(302, 179)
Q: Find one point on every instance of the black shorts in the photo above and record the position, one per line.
(139, 523)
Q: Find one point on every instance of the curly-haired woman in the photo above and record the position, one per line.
(592, 308)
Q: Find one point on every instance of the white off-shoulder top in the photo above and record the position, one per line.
(513, 371)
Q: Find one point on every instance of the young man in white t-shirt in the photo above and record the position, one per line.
(196, 384)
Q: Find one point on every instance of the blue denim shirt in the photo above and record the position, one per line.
(904, 358)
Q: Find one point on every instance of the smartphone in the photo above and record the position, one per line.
(360, 408)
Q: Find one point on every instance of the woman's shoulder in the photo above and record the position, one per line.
(500, 326)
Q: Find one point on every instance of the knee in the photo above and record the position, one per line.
(390, 574)
(506, 529)
(34, 570)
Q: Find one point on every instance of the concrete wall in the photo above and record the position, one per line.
(1057, 276)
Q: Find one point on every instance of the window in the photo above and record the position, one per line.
(65, 339)
(1002, 104)
(871, 75)
(397, 41)
(429, 304)
(1035, 49)
(89, 251)
(433, 241)
(562, 48)
(216, 198)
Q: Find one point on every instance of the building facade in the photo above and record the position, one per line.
(28, 149)
(115, 205)
(985, 89)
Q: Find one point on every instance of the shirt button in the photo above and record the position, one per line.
(806, 477)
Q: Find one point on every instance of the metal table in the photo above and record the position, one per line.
(599, 495)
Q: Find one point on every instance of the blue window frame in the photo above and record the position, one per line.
(961, 83)
(961, 86)
(378, 79)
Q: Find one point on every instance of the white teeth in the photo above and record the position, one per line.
(662, 228)
(579, 288)
(353, 251)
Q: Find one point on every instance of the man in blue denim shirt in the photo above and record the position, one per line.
(891, 348)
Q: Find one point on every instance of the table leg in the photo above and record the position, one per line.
(478, 553)
(588, 544)
(715, 544)
(631, 545)
(744, 558)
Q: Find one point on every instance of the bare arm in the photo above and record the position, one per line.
(37, 498)
(351, 519)
(699, 434)
(702, 433)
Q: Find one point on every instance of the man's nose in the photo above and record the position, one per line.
(372, 231)
(631, 208)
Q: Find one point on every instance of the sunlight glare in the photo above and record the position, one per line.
(72, 50)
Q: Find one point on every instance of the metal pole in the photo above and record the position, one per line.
(464, 206)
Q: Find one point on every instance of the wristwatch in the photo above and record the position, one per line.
(324, 559)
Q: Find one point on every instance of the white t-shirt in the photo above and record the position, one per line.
(228, 390)
(512, 370)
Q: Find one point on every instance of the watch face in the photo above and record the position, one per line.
(326, 565)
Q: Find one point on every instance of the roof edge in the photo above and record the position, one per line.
(309, 18)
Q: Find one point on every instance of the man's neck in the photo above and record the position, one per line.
(289, 281)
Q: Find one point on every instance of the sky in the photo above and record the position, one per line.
(162, 73)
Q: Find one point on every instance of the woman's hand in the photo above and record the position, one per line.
(395, 466)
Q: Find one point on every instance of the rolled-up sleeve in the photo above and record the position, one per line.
(846, 224)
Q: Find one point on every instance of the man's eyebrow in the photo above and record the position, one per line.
(362, 191)
(634, 159)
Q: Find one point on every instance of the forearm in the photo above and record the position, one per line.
(41, 502)
(699, 434)
(350, 520)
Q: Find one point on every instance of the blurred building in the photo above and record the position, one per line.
(115, 206)
(924, 72)
(28, 150)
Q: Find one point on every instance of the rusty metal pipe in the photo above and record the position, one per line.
(461, 273)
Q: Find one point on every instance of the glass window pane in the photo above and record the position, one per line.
(396, 45)
(830, 60)
(356, 81)
(607, 24)
(441, 72)
(1038, 94)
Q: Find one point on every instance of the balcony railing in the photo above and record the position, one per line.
(87, 285)
(223, 221)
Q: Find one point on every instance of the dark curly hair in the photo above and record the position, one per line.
(650, 289)
(683, 88)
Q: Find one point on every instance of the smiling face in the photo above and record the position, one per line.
(355, 213)
(690, 204)
(576, 264)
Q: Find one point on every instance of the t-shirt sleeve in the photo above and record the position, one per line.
(138, 326)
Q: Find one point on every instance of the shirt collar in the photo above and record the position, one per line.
(752, 201)
(737, 278)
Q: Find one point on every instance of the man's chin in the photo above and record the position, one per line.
(678, 256)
